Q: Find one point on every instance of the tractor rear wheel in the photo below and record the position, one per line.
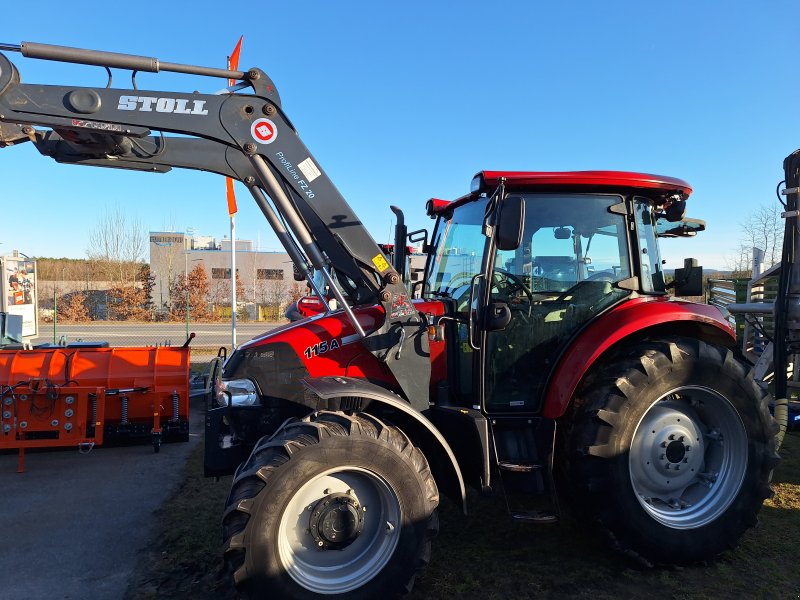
(672, 450)
(332, 506)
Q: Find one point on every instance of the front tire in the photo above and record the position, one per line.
(672, 450)
(332, 506)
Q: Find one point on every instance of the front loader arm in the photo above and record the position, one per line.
(246, 134)
(151, 154)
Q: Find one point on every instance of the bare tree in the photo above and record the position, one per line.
(273, 294)
(762, 229)
(166, 264)
(117, 244)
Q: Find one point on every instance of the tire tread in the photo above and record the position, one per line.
(270, 454)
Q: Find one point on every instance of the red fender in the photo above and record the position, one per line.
(629, 318)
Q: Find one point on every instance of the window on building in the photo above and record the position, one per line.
(220, 273)
(269, 274)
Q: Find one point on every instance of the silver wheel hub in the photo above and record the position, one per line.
(671, 448)
(339, 530)
(336, 521)
(688, 457)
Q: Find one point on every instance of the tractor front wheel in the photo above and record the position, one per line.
(332, 506)
(672, 450)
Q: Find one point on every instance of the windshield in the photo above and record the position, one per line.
(459, 249)
(567, 239)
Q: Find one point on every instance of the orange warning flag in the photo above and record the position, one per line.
(231, 196)
(233, 59)
(233, 65)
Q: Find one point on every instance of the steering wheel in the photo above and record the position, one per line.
(518, 284)
(607, 276)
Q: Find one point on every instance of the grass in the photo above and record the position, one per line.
(185, 560)
(487, 556)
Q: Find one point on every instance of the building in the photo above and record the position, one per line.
(265, 276)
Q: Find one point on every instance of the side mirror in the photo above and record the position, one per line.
(676, 211)
(497, 316)
(684, 228)
(689, 279)
(510, 221)
(420, 235)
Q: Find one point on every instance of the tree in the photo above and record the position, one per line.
(167, 259)
(72, 307)
(239, 288)
(127, 301)
(147, 280)
(220, 293)
(197, 286)
(762, 229)
(117, 245)
(296, 292)
(273, 294)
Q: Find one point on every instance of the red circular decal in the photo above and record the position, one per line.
(264, 131)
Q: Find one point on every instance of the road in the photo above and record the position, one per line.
(149, 334)
(73, 526)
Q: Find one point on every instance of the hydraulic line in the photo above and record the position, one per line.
(302, 234)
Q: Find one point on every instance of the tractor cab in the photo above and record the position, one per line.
(527, 260)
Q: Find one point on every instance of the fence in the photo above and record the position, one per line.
(721, 292)
(155, 327)
(753, 330)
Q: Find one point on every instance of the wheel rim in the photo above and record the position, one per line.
(339, 530)
(688, 457)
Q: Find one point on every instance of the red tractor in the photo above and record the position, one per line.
(544, 348)
(555, 353)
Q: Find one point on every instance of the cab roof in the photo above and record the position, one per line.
(658, 186)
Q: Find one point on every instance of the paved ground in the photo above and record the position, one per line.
(72, 526)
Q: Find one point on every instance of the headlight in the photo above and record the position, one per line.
(476, 183)
(242, 392)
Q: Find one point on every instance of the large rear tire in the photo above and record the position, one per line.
(672, 450)
(332, 506)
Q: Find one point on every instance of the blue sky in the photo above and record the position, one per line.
(400, 102)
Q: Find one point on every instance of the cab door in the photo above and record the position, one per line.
(454, 277)
(573, 253)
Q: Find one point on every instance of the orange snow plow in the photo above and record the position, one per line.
(84, 397)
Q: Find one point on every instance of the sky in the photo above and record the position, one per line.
(403, 101)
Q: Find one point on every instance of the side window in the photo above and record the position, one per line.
(649, 256)
(607, 253)
(567, 240)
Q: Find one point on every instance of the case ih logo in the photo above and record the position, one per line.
(180, 106)
(264, 131)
